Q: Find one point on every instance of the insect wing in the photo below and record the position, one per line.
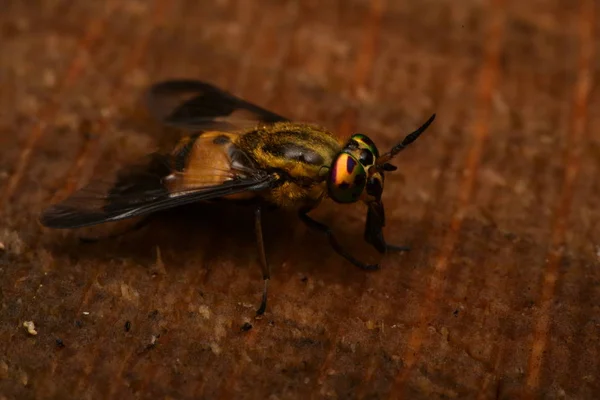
(197, 105)
(154, 185)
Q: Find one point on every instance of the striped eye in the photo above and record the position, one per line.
(364, 142)
(366, 157)
(347, 179)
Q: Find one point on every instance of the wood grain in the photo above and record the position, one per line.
(499, 202)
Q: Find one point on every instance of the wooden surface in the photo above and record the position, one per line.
(500, 200)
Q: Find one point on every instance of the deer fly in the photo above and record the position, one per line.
(243, 153)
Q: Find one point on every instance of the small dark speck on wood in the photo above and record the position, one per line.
(246, 327)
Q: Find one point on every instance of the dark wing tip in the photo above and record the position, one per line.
(194, 104)
(60, 216)
(180, 85)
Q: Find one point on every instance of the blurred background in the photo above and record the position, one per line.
(499, 200)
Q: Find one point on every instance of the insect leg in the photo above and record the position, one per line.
(391, 247)
(373, 229)
(266, 270)
(333, 241)
(135, 227)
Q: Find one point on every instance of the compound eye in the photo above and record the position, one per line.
(366, 157)
(364, 142)
(347, 179)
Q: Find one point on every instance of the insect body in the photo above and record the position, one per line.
(240, 152)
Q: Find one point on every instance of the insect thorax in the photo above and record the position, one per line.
(301, 153)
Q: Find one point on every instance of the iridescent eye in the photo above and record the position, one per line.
(365, 143)
(366, 157)
(347, 179)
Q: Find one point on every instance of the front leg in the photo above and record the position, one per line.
(391, 247)
(374, 229)
(333, 241)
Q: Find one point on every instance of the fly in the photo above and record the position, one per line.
(243, 153)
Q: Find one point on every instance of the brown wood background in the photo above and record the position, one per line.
(500, 200)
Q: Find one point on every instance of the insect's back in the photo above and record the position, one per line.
(300, 150)
(302, 153)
